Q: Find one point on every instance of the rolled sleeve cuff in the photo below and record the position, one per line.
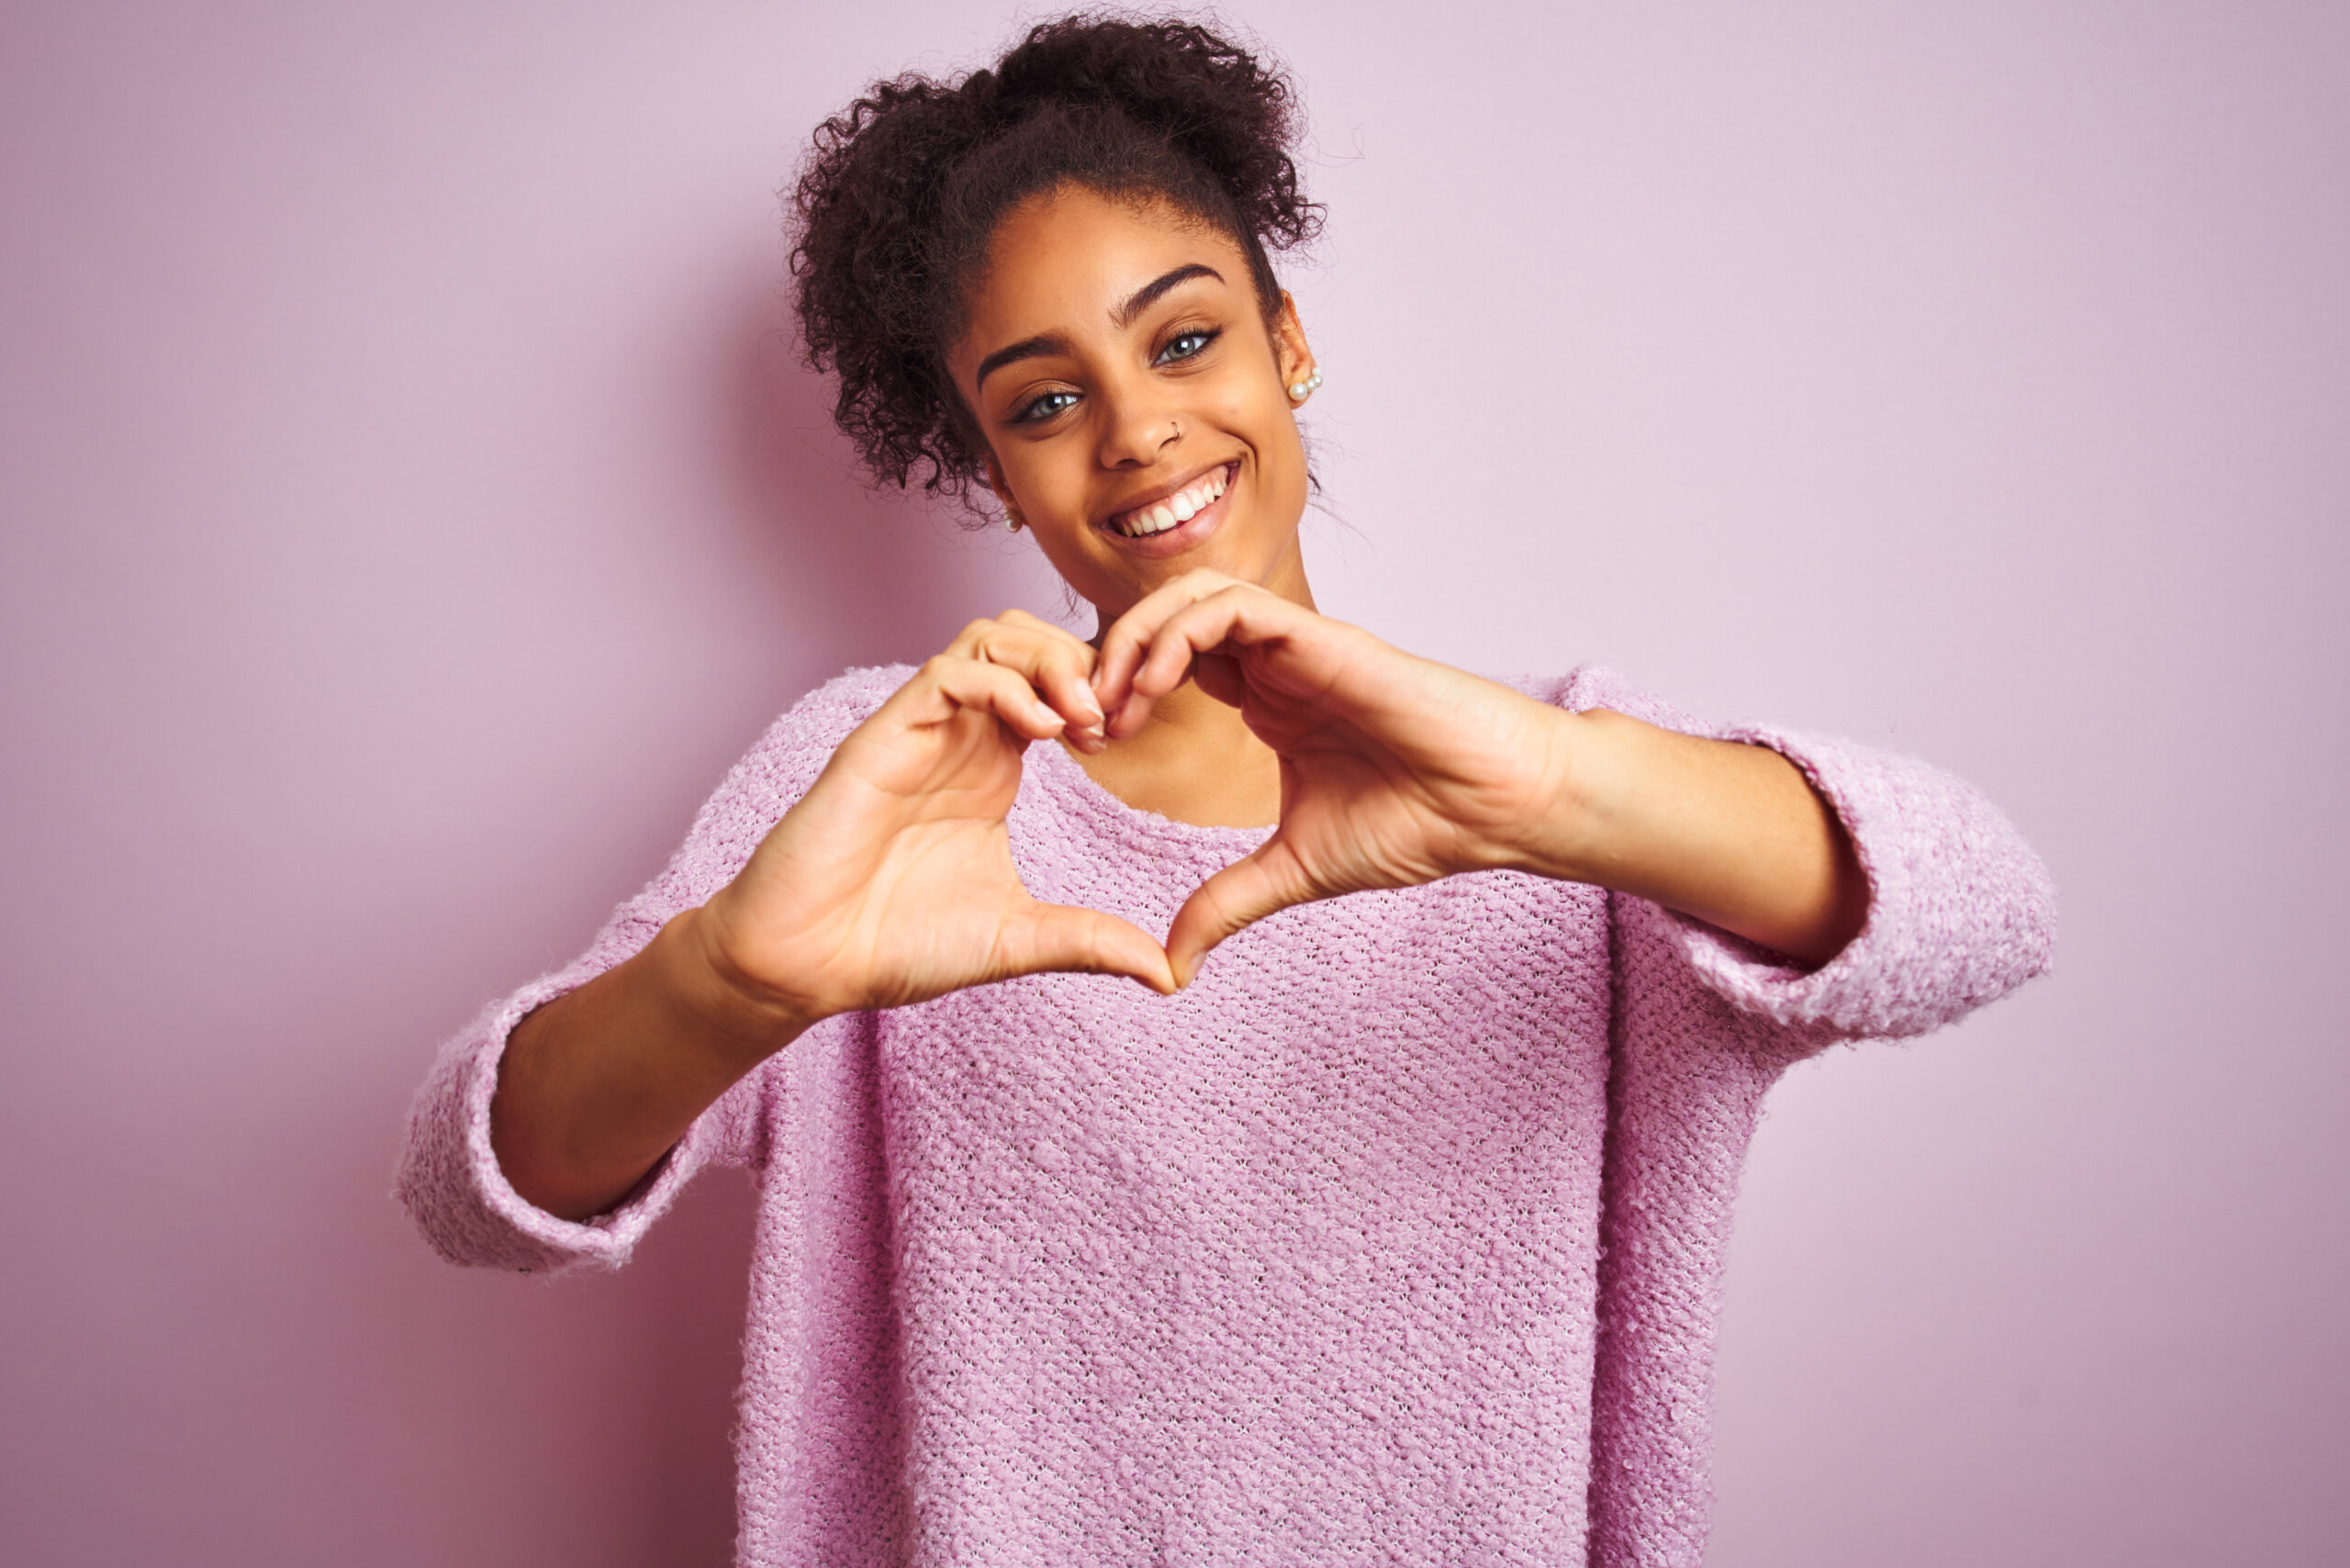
(453, 1185)
(1960, 911)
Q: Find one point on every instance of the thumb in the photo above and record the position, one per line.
(1065, 937)
(1259, 883)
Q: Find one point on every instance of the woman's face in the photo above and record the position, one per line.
(1133, 398)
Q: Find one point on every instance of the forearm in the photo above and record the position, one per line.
(598, 1085)
(1732, 834)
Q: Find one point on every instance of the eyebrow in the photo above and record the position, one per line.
(1135, 304)
(1149, 294)
(1027, 348)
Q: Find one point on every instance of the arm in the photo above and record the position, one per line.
(1733, 835)
(452, 1179)
(1397, 770)
(889, 882)
(595, 1086)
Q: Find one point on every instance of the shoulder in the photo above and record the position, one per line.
(826, 715)
(1595, 685)
(783, 763)
(796, 745)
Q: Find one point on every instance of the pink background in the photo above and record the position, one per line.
(410, 507)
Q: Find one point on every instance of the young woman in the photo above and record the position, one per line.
(1374, 1213)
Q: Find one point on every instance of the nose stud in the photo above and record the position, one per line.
(1301, 390)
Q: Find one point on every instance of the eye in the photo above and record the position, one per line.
(1044, 407)
(1185, 345)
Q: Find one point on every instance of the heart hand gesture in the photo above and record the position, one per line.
(891, 880)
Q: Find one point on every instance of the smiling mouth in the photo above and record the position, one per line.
(1172, 511)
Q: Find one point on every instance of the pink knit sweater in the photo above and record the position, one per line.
(1397, 1237)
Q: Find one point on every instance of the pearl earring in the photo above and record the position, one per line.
(1301, 390)
(1012, 522)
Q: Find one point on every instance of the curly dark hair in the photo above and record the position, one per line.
(896, 204)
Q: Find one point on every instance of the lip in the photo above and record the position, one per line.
(1183, 536)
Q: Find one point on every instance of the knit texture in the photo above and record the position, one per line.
(1397, 1237)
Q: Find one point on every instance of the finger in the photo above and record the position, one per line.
(1060, 639)
(1239, 616)
(1027, 622)
(1018, 626)
(968, 684)
(1244, 892)
(1055, 662)
(1064, 937)
(1130, 636)
(1221, 678)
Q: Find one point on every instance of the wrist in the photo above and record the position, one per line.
(1562, 835)
(717, 1001)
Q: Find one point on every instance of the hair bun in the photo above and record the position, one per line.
(1209, 96)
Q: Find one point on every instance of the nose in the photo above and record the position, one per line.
(1138, 425)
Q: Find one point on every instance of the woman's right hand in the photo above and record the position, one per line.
(891, 880)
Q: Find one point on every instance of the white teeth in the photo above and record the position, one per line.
(1180, 507)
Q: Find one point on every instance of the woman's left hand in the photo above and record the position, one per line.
(1396, 771)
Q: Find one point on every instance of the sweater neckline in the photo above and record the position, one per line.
(1062, 774)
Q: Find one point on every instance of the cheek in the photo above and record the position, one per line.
(1041, 484)
(1277, 435)
(1241, 405)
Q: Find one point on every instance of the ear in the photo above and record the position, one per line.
(1000, 489)
(1290, 352)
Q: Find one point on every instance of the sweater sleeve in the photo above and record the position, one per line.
(1961, 911)
(450, 1179)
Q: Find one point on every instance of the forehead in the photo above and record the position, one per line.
(1062, 262)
